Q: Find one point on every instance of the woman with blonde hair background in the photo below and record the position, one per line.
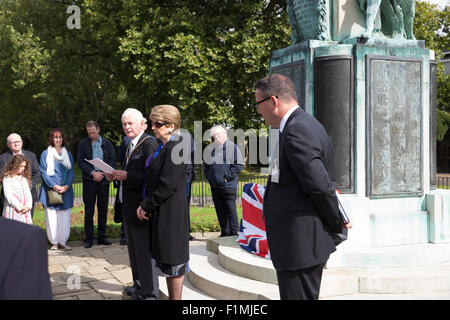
(165, 201)
(16, 180)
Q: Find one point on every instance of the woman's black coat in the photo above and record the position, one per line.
(165, 184)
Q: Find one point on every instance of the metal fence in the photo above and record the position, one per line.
(200, 191)
(443, 182)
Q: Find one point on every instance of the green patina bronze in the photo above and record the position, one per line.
(388, 18)
(309, 20)
(384, 19)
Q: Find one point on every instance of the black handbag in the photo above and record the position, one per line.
(343, 234)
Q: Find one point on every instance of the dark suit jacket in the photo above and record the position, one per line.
(85, 152)
(23, 262)
(301, 210)
(34, 168)
(165, 185)
(132, 194)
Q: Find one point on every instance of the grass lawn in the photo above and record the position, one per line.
(202, 220)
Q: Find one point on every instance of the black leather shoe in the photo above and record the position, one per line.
(104, 242)
(129, 290)
(138, 296)
(87, 244)
(123, 242)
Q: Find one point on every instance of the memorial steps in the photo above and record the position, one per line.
(220, 269)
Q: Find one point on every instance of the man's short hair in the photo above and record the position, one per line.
(135, 113)
(12, 135)
(218, 129)
(276, 85)
(92, 123)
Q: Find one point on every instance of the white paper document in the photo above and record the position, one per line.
(106, 168)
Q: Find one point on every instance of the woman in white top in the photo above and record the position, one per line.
(57, 173)
(16, 180)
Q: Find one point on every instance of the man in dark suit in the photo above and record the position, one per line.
(15, 144)
(95, 186)
(300, 205)
(222, 171)
(130, 191)
(23, 262)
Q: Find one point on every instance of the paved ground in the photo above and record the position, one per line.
(97, 273)
(101, 272)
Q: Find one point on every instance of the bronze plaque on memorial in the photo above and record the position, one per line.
(394, 127)
(296, 72)
(333, 107)
(433, 129)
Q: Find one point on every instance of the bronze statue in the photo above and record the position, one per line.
(396, 19)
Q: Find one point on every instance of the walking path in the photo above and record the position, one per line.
(101, 272)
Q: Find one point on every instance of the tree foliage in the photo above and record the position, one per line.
(200, 55)
(432, 25)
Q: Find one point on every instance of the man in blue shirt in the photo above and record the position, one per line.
(95, 186)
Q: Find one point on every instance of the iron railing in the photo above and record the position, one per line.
(443, 182)
(200, 191)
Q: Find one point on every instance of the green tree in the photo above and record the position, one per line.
(432, 25)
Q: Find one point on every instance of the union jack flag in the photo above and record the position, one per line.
(252, 232)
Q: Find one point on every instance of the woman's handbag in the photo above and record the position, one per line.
(54, 197)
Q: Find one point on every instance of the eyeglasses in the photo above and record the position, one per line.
(159, 124)
(261, 101)
(15, 142)
(59, 137)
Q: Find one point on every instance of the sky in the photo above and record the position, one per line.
(441, 3)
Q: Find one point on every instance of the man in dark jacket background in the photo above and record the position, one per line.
(222, 171)
(95, 186)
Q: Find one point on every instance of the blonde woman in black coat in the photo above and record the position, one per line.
(165, 202)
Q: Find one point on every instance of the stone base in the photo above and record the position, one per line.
(387, 42)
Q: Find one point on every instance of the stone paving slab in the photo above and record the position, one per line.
(96, 273)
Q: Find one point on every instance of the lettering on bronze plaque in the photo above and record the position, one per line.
(333, 107)
(433, 103)
(296, 72)
(394, 126)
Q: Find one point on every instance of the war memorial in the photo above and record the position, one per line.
(361, 72)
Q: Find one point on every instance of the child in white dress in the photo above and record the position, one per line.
(16, 180)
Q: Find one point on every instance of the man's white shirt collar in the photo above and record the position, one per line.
(286, 117)
(136, 140)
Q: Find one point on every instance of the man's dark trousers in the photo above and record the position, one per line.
(92, 192)
(142, 266)
(225, 204)
(303, 284)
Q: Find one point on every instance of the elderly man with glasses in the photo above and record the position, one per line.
(14, 143)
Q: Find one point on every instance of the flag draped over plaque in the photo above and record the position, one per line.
(252, 232)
